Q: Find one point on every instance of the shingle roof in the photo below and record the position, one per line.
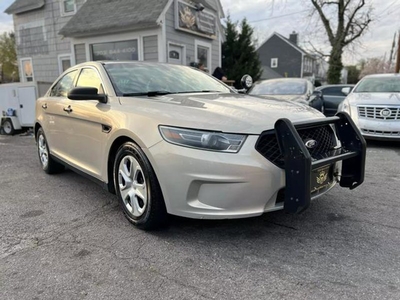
(109, 16)
(20, 6)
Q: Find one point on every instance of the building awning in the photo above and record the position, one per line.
(21, 6)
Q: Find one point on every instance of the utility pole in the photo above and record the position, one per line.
(397, 70)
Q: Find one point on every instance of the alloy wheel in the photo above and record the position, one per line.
(132, 186)
(43, 152)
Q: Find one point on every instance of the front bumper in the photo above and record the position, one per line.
(213, 185)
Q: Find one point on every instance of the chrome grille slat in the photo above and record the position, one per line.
(380, 133)
(374, 112)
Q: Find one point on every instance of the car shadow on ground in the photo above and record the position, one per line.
(383, 144)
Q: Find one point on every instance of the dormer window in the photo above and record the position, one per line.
(68, 7)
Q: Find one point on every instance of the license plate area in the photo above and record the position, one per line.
(321, 178)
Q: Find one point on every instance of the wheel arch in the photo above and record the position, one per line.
(118, 142)
(36, 129)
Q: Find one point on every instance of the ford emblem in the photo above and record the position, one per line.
(311, 144)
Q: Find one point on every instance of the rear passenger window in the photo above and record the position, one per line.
(63, 86)
(333, 91)
(90, 78)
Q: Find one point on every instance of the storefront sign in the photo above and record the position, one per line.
(190, 19)
(125, 50)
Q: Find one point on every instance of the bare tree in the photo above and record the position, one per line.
(350, 20)
(375, 65)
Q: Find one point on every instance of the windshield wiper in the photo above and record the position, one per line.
(148, 94)
(202, 91)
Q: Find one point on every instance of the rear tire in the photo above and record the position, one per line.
(137, 188)
(49, 165)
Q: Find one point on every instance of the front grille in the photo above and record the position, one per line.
(381, 133)
(379, 112)
(267, 144)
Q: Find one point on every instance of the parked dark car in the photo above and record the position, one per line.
(293, 89)
(333, 96)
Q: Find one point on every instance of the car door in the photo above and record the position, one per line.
(332, 97)
(55, 119)
(89, 126)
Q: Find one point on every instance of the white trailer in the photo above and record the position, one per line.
(17, 104)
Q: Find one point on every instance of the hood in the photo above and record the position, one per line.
(378, 99)
(234, 113)
(296, 98)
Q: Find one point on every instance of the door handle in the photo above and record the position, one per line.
(44, 106)
(68, 109)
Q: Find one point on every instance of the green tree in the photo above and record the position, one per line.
(8, 58)
(239, 56)
(353, 74)
(344, 21)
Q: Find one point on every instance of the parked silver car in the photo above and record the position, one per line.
(298, 90)
(374, 106)
(170, 139)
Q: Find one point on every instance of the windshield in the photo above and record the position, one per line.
(156, 79)
(275, 87)
(379, 85)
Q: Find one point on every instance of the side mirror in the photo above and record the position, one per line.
(246, 82)
(86, 93)
(346, 90)
(317, 93)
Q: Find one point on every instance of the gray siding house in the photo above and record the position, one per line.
(53, 35)
(282, 57)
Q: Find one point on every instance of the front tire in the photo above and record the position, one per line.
(49, 165)
(137, 188)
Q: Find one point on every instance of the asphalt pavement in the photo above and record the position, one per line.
(63, 237)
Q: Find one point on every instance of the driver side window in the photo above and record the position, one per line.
(63, 86)
(90, 78)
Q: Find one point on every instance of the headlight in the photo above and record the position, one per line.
(206, 140)
(345, 106)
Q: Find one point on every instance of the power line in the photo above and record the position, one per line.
(280, 16)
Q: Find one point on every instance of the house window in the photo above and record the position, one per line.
(27, 69)
(68, 7)
(174, 54)
(64, 62)
(125, 50)
(274, 62)
(32, 39)
(203, 54)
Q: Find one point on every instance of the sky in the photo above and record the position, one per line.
(286, 16)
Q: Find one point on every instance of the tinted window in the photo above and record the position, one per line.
(333, 91)
(90, 78)
(63, 86)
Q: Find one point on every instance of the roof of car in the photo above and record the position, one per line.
(334, 85)
(383, 75)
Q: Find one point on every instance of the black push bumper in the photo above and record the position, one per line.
(300, 168)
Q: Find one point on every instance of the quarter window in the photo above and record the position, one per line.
(90, 78)
(63, 86)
